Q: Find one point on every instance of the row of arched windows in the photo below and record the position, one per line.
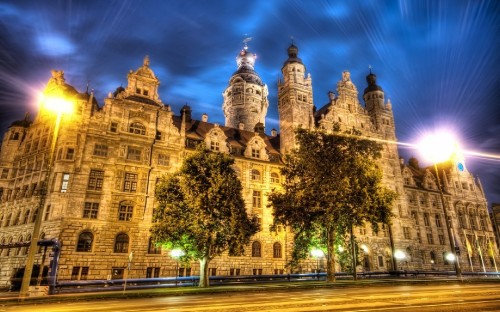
(256, 176)
(18, 218)
(257, 249)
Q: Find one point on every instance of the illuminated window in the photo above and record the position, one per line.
(214, 146)
(65, 182)
(276, 250)
(85, 240)
(137, 128)
(130, 182)
(125, 212)
(113, 127)
(255, 153)
(121, 243)
(256, 248)
(90, 210)
(70, 153)
(163, 160)
(96, 178)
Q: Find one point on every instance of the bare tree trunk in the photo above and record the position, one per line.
(353, 255)
(330, 256)
(204, 281)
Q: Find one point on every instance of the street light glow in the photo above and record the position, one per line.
(450, 257)
(398, 254)
(177, 253)
(57, 104)
(438, 147)
(317, 253)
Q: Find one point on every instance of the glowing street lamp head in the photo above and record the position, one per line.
(450, 257)
(398, 254)
(438, 147)
(317, 253)
(177, 253)
(57, 104)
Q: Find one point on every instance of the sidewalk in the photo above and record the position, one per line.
(11, 298)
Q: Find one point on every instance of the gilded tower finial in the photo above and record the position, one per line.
(246, 41)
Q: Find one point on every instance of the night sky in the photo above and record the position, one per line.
(437, 61)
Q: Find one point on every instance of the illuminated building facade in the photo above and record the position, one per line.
(107, 161)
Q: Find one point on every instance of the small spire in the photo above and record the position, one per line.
(146, 61)
(291, 38)
(370, 68)
(246, 41)
(87, 89)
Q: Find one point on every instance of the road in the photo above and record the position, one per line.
(476, 297)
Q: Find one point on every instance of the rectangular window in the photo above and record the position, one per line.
(95, 180)
(419, 237)
(65, 182)
(130, 182)
(5, 173)
(163, 160)
(381, 261)
(214, 146)
(406, 232)
(426, 219)
(438, 221)
(125, 212)
(101, 150)
(134, 153)
(117, 273)
(47, 213)
(414, 215)
(234, 271)
(84, 274)
(257, 271)
(114, 127)
(90, 210)
(255, 153)
(441, 239)
(75, 272)
(212, 271)
(79, 273)
(256, 199)
(70, 152)
(152, 272)
(430, 239)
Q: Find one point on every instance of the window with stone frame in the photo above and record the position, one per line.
(441, 239)
(121, 243)
(214, 146)
(113, 127)
(64, 182)
(47, 213)
(90, 210)
(125, 212)
(137, 128)
(134, 153)
(70, 153)
(438, 220)
(153, 248)
(256, 249)
(85, 240)
(255, 175)
(96, 178)
(414, 216)
(257, 199)
(255, 152)
(275, 178)
(277, 250)
(406, 232)
(163, 160)
(430, 238)
(482, 223)
(79, 273)
(101, 150)
(426, 220)
(130, 182)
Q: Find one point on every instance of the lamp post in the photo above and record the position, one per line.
(317, 253)
(399, 256)
(176, 254)
(437, 148)
(59, 105)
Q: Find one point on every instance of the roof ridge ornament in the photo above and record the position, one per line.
(146, 61)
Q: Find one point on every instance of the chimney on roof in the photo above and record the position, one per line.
(331, 96)
(274, 132)
(241, 126)
(204, 117)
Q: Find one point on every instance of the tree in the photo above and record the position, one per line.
(332, 183)
(201, 210)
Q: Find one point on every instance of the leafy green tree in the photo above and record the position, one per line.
(201, 210)
(331, 183)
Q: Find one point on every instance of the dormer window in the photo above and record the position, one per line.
(137, 128)
(138, 90)
(146, 92)
(255, 153)
(214, 146)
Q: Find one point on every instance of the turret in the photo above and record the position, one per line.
(295, 99)
(245, 98)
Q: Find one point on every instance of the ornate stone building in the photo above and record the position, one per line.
(107, 160)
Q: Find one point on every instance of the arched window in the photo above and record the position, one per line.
(9, 249)
(153, 248)
(276, 250)
(17, 252)
(26, 217)
(7, 219)
(33, 216)
(255, 175)
(433, 257)
(275, 178)
(17, 219)
(256, 249)
(25, 249)
(121, 243)
(85, 240)
(137, 128)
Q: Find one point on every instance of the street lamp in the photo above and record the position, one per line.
(399, 255)
(176, 254)
(318, 254)
(438, 148)
(60, 105)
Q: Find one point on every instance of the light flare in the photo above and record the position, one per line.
(438, 147)
(60, 105)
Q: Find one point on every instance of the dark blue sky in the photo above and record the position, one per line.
(437, 61)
